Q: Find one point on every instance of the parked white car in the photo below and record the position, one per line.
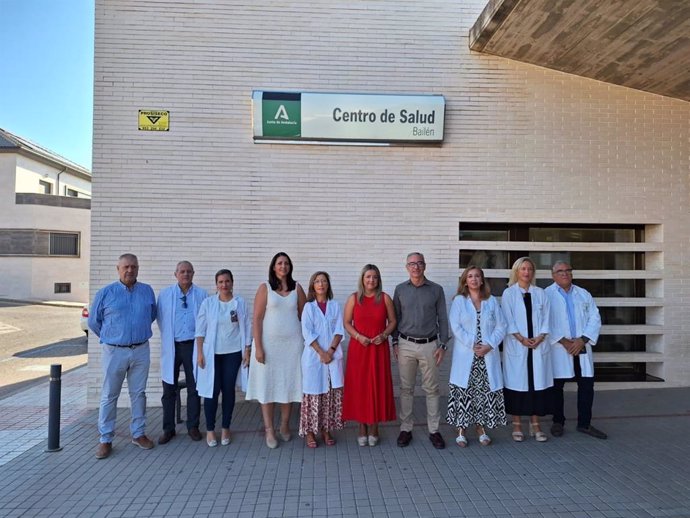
(84, 321)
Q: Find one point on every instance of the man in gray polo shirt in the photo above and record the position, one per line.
(419, 341)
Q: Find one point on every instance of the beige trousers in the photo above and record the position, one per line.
(411, 356)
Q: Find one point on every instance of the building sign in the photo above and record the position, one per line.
(154, 120)
(347, 117)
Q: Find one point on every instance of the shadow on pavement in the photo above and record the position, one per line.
(70, 347)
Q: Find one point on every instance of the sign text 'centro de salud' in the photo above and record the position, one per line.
(357, 118)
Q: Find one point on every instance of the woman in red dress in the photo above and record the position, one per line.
(369, 320)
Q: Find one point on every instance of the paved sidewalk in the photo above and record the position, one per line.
(642, 470)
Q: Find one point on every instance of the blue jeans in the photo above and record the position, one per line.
(119, 363)
(226, 367)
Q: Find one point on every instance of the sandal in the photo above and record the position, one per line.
(327, 439)
(373, 440)
(484, 439)
(517, 434)
(362, 440)
(311, 441)
(535, 431)
(461, 440)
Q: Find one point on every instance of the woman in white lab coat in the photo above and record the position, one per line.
(527, 370)
(476, 381)
(322, 363)
(223, 340)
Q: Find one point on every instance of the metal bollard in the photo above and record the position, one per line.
(54, 408)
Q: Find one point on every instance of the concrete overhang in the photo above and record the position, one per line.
(640, 44)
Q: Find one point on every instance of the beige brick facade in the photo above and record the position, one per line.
(522, 144)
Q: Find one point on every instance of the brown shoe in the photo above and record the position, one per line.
(143, 442)
(194, 433)
(104, 450)
(166, 437)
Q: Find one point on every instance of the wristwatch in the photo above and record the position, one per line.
(442, 346)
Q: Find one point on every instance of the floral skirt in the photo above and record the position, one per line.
(321, 412)
(476, 404)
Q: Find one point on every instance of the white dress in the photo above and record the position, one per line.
(279, 380)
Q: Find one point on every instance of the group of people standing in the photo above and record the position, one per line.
(293, 348)
(547, 337)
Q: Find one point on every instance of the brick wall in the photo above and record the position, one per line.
(521, 143)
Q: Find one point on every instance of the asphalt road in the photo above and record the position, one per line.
(32, 338)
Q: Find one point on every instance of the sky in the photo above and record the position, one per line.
(46, 74)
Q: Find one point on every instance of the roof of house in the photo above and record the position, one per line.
(11, 143)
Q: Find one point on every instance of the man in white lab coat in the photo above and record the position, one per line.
(178, 306)
(574, 325)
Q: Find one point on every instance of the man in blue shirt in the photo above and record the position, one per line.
(121, 316)
(178, 306)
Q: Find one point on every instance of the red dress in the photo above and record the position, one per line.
(368, 394)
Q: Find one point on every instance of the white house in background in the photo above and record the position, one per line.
(45, 223)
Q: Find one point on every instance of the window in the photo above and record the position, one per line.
(615, 263)
(64, 244)
(38, 243)
(71, 192)
(45, 187)
(63, 287)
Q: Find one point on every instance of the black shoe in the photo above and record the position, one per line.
(437, 440)
(590, 430)
(404, 439)
(194, 433)
(166, 437)
(557, 429)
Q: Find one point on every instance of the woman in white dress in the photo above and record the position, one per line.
(322, 363)
(275, 373)
(527, 370)
(475, 394)
(223, 334)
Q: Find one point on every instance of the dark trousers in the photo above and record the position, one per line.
(226, 367)
(183, 356)
(585, 397)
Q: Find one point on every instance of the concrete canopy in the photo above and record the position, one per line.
(641, 44)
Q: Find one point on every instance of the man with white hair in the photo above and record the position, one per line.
(178, 306)
(574, 325)
(121, 317)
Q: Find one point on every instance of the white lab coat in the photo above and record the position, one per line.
(320, 327)
(514, 353)
(207, 326)
(166, 323)
(463, 325)
(587, 323)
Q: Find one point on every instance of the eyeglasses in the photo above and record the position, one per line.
(184, 301)
(418, 264)
(569, 271)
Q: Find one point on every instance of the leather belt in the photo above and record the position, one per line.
(130, 346)
(419, 340)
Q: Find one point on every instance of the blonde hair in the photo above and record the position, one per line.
(516, 266)
(360, 283)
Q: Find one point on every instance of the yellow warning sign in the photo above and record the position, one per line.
(154, 120)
